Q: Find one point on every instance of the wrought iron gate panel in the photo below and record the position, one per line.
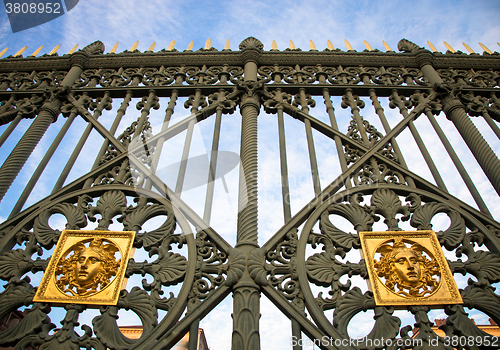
(190, 266)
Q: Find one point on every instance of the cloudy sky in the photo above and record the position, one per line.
(162, 21)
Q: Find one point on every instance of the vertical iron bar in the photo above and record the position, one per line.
(338, 143)
(119, 115)
(458, 164)
(396, 100)
(9, 129)
(492, 124)
(380, 112)
(193, 335)
(43, 163)
(213, 167)
(285, 188)
(80, 144)
(159, 144)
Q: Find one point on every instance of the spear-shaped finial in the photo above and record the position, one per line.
(468, 48)
(152, 47)
(312, 46)
(54, 50)
(3, 52)
(448, 46)
(348, 45)
(433, 48)
(171, 45)
(368, 47)
(227, 46)
(330, 45)
(291, 44)
(73, 49)
(485, 48)
(208, 44)
(190, 46)
(134, 46)
(20, 52)
(37, 51)
(274, 46)
(387, 47)
(113, 50)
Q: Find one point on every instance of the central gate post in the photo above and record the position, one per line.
(246, 293)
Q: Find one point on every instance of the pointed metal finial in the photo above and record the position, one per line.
(485, 48)
(368, 47)
(433, 48)
(73, 49)
(330, 45)
(448, 46)
(208, 44)
(190, 46)
(152, 47)
(20, 52)
(274, 46)
(113, 50)
(312, 46)
(468, 48)
(171, 45)
(54, 50)
(134, 46)
(291, 44)
(227, 46)
(387, 47)
(3, 52)
(348, 45)
(37, 51)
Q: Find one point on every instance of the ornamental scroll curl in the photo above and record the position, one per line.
(325, 281)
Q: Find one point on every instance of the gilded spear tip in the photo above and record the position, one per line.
(348, 45)
(134, 46)
(330, 45)
(485, 48)
(20, 52)
(113, 50)
(208, 44)
(152, 47)
(368, 47)
(468, 48)
(3, 52)
(312, 46)
(171, 45)
(37, 51)
(433, 48)
(448, 46)
(387, 47)
(73, 49)
(54, 50)
(227, 46)
(291, 44)
(274, 46)
(190, 46)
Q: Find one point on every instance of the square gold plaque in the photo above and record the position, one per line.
(87, 267)
(408, 268)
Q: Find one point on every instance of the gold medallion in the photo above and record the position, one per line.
(87, 267)
(408, 268)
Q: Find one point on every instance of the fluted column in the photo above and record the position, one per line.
(246, 293)
(455, 112)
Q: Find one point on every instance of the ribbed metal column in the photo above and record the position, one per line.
(47, 115)
(455, 112)
(246, 293)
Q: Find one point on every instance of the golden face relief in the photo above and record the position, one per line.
(87, 266)
(407, 267)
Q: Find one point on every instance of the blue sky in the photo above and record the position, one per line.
(184, 21)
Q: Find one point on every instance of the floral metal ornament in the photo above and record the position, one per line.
(88, 267)
(408, 268)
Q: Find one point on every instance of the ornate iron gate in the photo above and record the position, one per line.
(307, 253)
